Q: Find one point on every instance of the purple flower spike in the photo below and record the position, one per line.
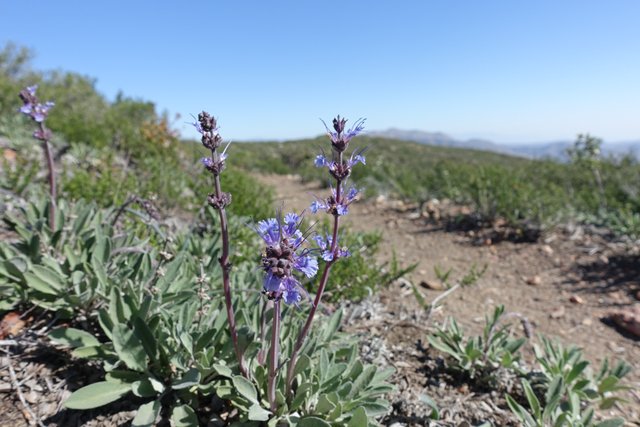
(284, 256)
(32, 106)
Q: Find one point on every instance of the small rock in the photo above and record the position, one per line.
(547, 249)
(430, 284)
(557, 313)
(534, 281)
(413, 215)
(422, 272)
(627, 319)
(587, 321)
(403, 283)
(616, 348)
(32, 397)
(576, 299)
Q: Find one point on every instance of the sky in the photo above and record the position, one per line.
(508, 71)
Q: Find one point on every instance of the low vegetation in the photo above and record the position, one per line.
(535, 193)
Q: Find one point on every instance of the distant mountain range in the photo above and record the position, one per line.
(555, 150)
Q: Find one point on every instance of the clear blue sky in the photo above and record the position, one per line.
(511, 71)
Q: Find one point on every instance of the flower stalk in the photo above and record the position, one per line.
(336, 205)
(38, 112)
(211, 139)
(274, 356)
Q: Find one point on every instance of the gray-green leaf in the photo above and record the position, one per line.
(97, 394)
(147, 414)
(183, 416)
(245, 388)
(129, 348)
(72, 337)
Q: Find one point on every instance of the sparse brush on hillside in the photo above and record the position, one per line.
(521, 191)
(107, 150)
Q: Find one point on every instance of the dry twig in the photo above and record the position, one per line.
(16, 385)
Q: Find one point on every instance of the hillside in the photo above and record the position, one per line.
(524, 192)
(556, 150)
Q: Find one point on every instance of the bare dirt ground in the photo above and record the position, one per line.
(566, 286)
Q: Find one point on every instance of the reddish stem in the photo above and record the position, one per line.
(52, 178)
(226, 269)
(274, 353)
(316, 302)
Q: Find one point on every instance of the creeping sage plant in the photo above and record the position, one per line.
(38, 113)
(285, 254)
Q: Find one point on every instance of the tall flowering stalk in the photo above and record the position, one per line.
(38, 113)
(283, 258)
(206, 125)
(336, 205)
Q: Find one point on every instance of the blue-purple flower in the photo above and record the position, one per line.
(339, 137)
(32, 106)
(216, 165)
(325, 248)
(285, 256)
(332, 205)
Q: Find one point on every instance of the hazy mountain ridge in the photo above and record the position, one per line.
(554, 150)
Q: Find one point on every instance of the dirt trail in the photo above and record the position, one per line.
(563, 286)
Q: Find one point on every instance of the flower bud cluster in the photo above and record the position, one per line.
(215, 165)
(219, 201)
(207, 126)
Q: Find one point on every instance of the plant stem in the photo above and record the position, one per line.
(226, 270)
(321, 287)
(263, 327)
(274, 353)
(46, 145)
